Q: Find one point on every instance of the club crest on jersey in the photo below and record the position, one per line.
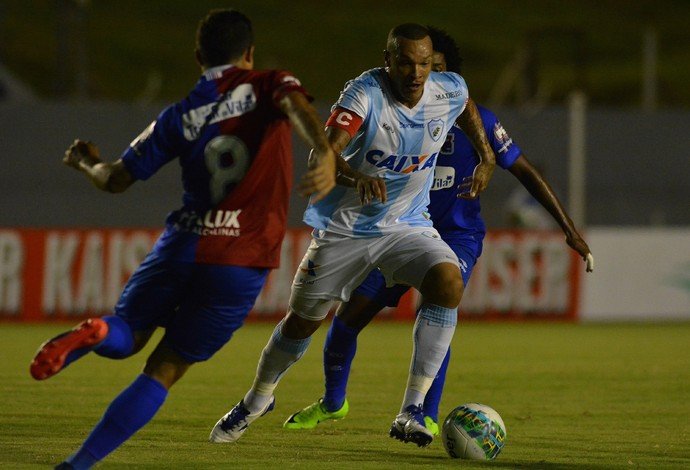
(401, 163)
(435, 128)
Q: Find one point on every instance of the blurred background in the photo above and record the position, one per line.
(103, 70)
(595, 92)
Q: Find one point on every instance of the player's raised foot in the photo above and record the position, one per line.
(51, 356)
(230, 427)
(312, 415)
(431, 425)
(408, 426)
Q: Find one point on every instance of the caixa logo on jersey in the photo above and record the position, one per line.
(401, 163)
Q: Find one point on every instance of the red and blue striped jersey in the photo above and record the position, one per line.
(234, 147)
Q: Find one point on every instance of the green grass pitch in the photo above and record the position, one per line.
(572, 396)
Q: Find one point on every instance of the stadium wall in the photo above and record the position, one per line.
(636, 213)
(637, 170)
(640, 274)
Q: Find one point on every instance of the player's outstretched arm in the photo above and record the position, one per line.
(470, 121)
(540, 189)
(320, 178)
(110, 177)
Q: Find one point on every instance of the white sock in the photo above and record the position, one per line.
(433, 332)
(276, 358)
(417, 386)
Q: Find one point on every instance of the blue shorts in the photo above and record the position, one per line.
(199, 305)
(467, 248)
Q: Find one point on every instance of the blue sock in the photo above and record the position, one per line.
(433, 396)
(127, 413)
(120, 341)
(338, 353)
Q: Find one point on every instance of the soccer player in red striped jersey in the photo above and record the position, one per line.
(231, 137)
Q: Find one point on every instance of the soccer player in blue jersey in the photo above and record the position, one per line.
(232, 138)
(459, 223)
(390, 125)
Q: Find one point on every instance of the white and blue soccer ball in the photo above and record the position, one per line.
(473, 431)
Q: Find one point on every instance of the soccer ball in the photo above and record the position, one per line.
(473, 431)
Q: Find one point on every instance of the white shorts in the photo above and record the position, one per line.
(334, 265)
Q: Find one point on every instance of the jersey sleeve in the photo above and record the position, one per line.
(345, 120)
(284, 82)
(502, 144)
(458, 92)
(154, 147)
(353, 98)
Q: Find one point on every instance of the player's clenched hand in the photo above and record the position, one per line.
(320, 178)
(81, 152)
(576, 242)
(369, 188)
(471, 186)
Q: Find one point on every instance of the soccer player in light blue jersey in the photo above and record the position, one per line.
(459, 223)
(389, 125)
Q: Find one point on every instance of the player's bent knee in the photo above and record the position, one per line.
(308, 308)
(358, 311)
(166, 366)
(166, 373)
(443, 285)
(141, 339)
(297, 327)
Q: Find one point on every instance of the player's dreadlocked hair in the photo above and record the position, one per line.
(412, 31)
(223, 36)
(445, 44)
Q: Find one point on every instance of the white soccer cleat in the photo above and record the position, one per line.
(230, 427)
(408, 426)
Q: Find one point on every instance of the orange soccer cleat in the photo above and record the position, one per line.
(51, 356)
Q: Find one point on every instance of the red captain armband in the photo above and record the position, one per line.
(345, 120)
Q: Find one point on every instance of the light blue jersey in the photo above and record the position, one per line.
(398, 144)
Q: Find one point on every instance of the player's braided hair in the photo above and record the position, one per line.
(445, 44)
(223, 36)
